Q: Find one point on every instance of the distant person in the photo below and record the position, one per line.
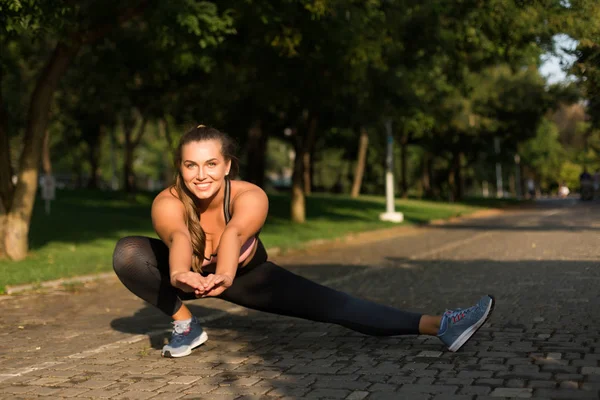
(531, 187)
(586, 185)
(563, 190)
(585, 176)
(210, 224)
(596, 180)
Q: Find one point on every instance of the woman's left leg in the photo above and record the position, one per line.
(268, 287)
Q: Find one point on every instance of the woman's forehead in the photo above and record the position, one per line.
(202, 150)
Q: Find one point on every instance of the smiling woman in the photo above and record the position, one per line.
(209, 226)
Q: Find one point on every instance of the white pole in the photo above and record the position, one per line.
(390, 213)
(389, 173)
(518, 175)
(499, 189)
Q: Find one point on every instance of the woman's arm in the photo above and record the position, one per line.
(169, 223)
(250, 207)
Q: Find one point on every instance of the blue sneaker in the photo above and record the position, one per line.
(184, 338)
(459, 325)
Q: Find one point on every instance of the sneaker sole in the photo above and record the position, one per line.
(468, 333)
(200, 340)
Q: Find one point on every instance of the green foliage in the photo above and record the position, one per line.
(545, 155)
(569, 174)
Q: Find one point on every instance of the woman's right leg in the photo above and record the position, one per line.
(142, 264)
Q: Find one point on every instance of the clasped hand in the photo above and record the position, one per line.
(202, 286)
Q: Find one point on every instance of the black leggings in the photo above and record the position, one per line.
(142, 264)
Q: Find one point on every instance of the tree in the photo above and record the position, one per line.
(72, 26)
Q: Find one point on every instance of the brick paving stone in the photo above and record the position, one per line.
(339, 384)
(568, 377)
(145, 386)
(134, 395)
(71, 392)
(590, 371)
(244, 390)
(474, 390)
(515, 383)
(184, 380)
(357, 395)
(48, 381)
(564, 369)
(432, 389)
(18, 389)
(541, 384)
(212, 397)
(327, 393)
(94, 384)
(566, 394)
(287, 391)
(45, 391)
(455, 381)
(384, 378)
(168, 396)
(102, 393)
(383, 387)
(512, 392)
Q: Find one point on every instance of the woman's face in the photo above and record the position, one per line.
(203, 167)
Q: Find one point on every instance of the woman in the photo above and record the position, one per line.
(209, 247)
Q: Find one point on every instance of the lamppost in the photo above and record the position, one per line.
(499, 189)
(518, 175)
(390, 214)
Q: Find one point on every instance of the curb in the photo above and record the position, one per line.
(58, 282)
(312, 246)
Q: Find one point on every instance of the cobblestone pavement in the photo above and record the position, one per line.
(543, 341)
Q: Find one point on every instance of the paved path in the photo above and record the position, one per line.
(543, 341)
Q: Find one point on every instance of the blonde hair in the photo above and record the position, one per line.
(192, 216)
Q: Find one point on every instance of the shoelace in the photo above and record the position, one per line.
(180, 331)
(458, 314)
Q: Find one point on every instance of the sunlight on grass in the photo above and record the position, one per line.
(79, 235)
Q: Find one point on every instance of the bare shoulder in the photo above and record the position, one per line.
(167, 198)
(250, 206)
(243, 189)
(167, 208)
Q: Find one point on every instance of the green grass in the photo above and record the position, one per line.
(79, 235)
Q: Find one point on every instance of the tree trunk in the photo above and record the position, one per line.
(298, 205)
(114, 180)
(451, 184)
(131, 142)
(7, 186)
(403, 161)
(512, 187)
(363, 145)
(257, 147)
(46, 159)
(457, 187)
(307, 154)
(426, 175)
(14, 241)
(94, 142)
(128, 173)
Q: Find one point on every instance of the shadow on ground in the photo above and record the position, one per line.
(533, 297)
